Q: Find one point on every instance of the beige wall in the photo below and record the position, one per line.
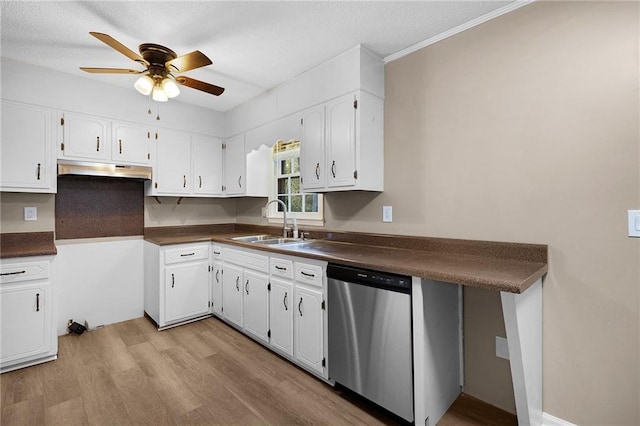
(526, 129)
(12, 206)
(190, 211)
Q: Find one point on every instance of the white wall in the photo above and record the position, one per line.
(99, 280)
(27, 83)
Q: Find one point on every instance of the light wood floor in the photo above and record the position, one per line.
(201, 373)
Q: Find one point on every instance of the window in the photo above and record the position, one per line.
(287, 186)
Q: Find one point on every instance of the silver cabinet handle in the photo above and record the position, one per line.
(238, 283)
(300, 306)
(246, 287)
(37, 302)
(284, 301)
(333, 168)
(318, 171)
(98, 143)
(38, 172)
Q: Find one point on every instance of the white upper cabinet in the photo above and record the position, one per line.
(172, 174)
(342, 145)
(312, 158)
(340, 142)
(207, 165)
(26, 155)
(83, 137)
(235, 178)
(131, 143)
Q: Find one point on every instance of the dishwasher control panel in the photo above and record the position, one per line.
(367, 277)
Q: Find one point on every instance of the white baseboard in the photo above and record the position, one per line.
(549, 420)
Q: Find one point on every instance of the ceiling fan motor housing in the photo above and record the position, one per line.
(157, 56)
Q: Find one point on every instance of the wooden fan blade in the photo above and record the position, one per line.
(190, 61)
(110, 70)
(200, 85)
(115, 44)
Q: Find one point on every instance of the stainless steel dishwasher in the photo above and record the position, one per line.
(370, 339)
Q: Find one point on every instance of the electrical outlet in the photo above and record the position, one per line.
(502, 348)
(387, 213)
(634, 223)
(30, 213)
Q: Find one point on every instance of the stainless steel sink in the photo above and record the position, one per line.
(277, 241)
(253, 238)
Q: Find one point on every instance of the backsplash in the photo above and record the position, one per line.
(90, 207)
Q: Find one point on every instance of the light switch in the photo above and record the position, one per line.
(634, 223)
(30, 213)
(387, 213)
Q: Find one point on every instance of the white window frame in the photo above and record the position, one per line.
(302, 218)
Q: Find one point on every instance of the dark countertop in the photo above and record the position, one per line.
(27, 244)
(498, 266)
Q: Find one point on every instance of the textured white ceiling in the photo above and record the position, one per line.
(254, 45)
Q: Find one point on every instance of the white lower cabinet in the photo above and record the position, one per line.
(27, 334)
(177, 287)
(232, 294)
(256, 304)
(279, 301)
(281, 315)
(186, 289)
(216, 280)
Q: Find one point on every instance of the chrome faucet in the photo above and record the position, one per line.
(284, 213)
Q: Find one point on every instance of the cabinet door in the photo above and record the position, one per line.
(281, 315)
(186, 291)
(234, 166)
(173, 167)
(25, 330)
(312, 163)
(256, 304)
(341, 142)
(84, 137)
(26, 141)
(232, 287)
(130, 144)
(216, 289)
(207, 165)
(308, 328)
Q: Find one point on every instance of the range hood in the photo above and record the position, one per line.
(102, 169)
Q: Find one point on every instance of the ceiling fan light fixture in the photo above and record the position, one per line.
(144, 85)
(158, 94)
(170, 88)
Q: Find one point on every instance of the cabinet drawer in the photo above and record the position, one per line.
(27, 271)
(281, 268)
(186, 254)
(216, 252)
(309, 274)
(247, 259)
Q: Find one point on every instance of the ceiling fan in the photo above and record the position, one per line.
(161, 63)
